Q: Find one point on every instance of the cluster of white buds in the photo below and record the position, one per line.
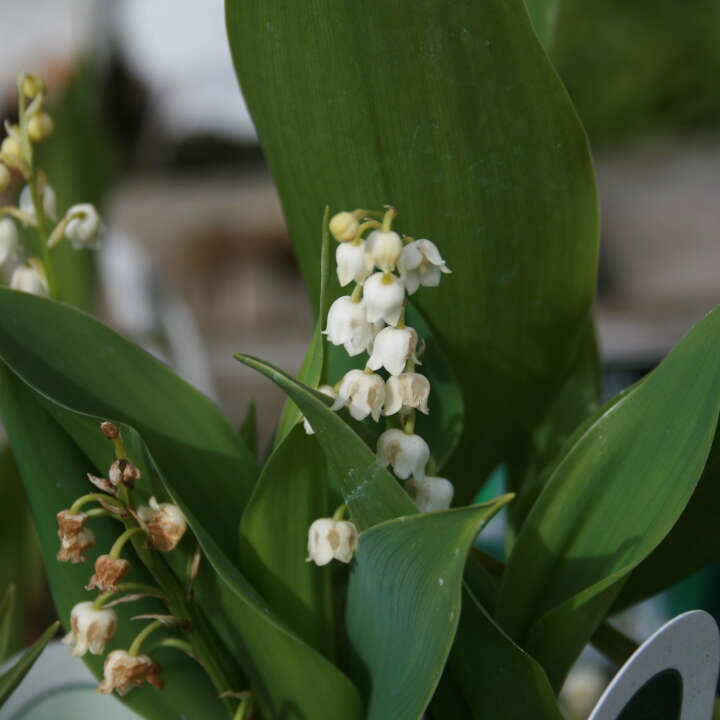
(37, 205)
(386, 268)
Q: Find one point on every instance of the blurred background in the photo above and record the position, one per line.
(196, 262)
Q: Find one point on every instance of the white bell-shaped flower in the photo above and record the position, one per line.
(328, 390)
(28, 278)
(362, 393)
(352, 263)
(343, 226)
(420, 263)
(384, 296)
(408, 454)
(90, 629)
(383, 249)
(8, 239)
(347, 325)
(406, 392)
(330, 539)
(392, 348)
(430, 493)
(48, 199)
(83, 227)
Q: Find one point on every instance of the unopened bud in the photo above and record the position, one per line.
(108, 573)
(123, 472)
(5, 177)
(110, 430)
(83, 227)
(40, 127)
(343, 226)
(10, 146)
(32, 85)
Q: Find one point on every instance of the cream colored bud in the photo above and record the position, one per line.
(48, 199)
(347, 325)
(392, 348)
(383, 295)
(406, 392)
(343, 226)
(90, 629)
(8, 239)
(165, 524)
(40, 127)
(430, 494)
(383, 249)
(325, 390)
(10, 146)
(420, 263)
(362, 393)
(330, 539)
(352, 263)
(123, 672)
(32, 85)
(30, 279)
(408, 454)
(5, 177)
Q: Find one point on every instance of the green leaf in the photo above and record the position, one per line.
(371, 493)
(543, 15)
(7, 609)
(404, 604)
(78, 362)
(13, 677)
(248, 429)
(481, 152)
(610, 501)
(290, 494)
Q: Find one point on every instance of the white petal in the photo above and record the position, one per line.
(430, 252)
(392, 348)
(348, 541)
(430, 276)
(352, 263)
(319, 549)
(411, 279)
(8, 239)
(383, 300)
(430, 494)
(384, 249)
(410, 258)
(408, 454)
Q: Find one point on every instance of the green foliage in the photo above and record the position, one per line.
(7, 610)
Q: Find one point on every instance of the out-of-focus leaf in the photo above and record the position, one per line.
(371, 493)
(248, 429)
(403, 605)
(290, 494)
(7, 609)
(610, 501)
(481, 152)
(13, 677)
(543, 15)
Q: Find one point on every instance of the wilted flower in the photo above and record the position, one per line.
(83, 227)
(405, 392)
(363, 393)
(8, 238)
(347, 325)
(330, 539)
(123, 671)
(430, 493)
(48, 200)
(420, 264)
(343, 226)
(164, 522)
(90, 629)
(392, 348)
(328, 390)
(352, 262)
(109, 572)
(384, 296)
(408, 454)
(75, 538)
(383, 249)
(29, 278)
(123, 472)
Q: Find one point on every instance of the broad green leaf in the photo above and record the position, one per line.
(7, 611)
(371, 493)
(403, 605)
(610, 501)
(13, 677)
(543, 15)
(453, 113)
(77, 361)
(290, 494)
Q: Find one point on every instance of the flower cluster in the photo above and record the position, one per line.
(93, 623)
(386, 268)
(37, 206)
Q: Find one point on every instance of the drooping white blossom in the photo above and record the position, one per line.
(328, 390)
(384, 295)
(430, 493)
(383, 249)
(330, 539)
(347, 325)
(362, 393)
(392, 348)
(353, 264)
(343, 226)
(408, 454)
(90, 629)
(48, 199)
(8, 239)
(29, 279)
(83, 227)
(405, 392)
(420, 263)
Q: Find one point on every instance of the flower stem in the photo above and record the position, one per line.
(356, 296)
(100, 600)
(120, 542)
(409, 424)
(134, 649)
(388, 219)
(339, 514)
(91, 497)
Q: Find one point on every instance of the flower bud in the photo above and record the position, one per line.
(32, 85)
(110, 430)
(383, 249)
(392, 348)
(420, 264)
(164, 522)
(383, 295)
(83, 228)
(108, 573)
(408, 454)
(325, 390)
(8, 238)
(123, 472)
(352, 263)
(5, 177)
(430, 493)
(343, 226)
(40, 127)
(123, 671)
(48, 200)
(28, 278)
(347, 325)
(90, 629)
(362, 393)
(75, 538)
(330, 539)
(11, 147)
(405, 392)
